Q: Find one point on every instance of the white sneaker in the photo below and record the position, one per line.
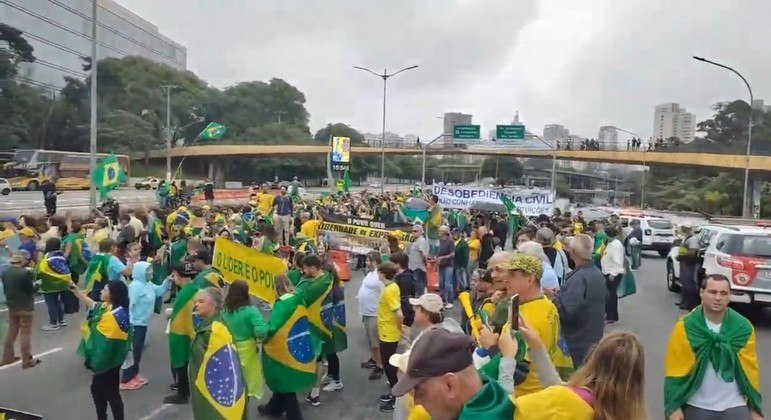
(333, 386)
(448, 306)
(326, 379)
(50, 327)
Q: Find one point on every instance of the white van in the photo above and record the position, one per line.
(5, 186)
(658, 233)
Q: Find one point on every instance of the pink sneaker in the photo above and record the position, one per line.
(131, 385)
(141, 379)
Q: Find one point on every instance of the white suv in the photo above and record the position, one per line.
(741, 253)
(5, 186)
(658, 233)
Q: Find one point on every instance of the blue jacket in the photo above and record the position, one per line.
(142, 295)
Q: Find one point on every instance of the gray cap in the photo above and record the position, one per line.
(544, 236)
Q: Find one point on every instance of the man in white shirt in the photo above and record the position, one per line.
(369, 297)
(612, 263)
(711, 364)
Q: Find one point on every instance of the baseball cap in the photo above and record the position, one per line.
(428, 301)
(185, 268)
(28, 232)
(444, 228)
(436, 352)
(525, 263)
(544, 236)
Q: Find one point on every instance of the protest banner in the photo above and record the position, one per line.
(367, 223)
(258, 270)
(531, 202)
(359, 239)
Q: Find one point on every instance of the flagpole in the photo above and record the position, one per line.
(92, 142)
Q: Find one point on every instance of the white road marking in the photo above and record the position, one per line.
(36, 302)
(157, 412)
(36, 356)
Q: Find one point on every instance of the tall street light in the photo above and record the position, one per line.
(168, 89)
(92, 143)
(749, 134)
(385, 77)
(642, 183)
(553, 165)
(424, 146)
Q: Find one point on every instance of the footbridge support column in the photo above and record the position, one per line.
(216, 174)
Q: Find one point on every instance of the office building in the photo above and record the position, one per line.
(60, 32)
(553, 133)
(608, 138)
(669, 120)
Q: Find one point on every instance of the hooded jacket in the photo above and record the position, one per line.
(142, 294)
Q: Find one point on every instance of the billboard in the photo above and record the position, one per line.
(341, 153)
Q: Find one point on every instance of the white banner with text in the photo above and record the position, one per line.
(532, 202)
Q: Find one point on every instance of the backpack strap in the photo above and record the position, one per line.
(584, 394)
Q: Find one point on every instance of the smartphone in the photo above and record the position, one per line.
(514, 313)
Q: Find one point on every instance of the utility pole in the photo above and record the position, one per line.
(168, 89)
(278, 115)
(92, 144)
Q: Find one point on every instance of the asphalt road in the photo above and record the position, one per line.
(59, 388)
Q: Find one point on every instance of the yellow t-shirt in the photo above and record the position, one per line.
(7, 233)
(557, 245)
(554, 402)
(542, 316)
(388, 328)
(474, 246)
(310, 229)
(265, 202)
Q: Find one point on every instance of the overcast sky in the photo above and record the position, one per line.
(582, 64)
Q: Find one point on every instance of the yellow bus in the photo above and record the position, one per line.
(28, 168)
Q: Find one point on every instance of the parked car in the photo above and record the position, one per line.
(658, 233)
(147, 184)
(5, 186)
(741, 253)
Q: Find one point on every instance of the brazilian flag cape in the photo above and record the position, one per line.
(490, 402)
(288, 357)
(693, 348)
(106, 338)
(217, 390)
(155, 232)
(53, 273)
(177, 251)
(96, 274)
(318, 300)
(339, 335)
(80, 254)
(182, 326)
(209, 277)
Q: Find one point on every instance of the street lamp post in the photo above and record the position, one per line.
(92, 142)
(423, 177)
(746, 193)
(642, 183)
(385, 77)
(168, 89)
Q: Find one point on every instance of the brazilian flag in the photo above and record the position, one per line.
(693, 348)
(108, 176)
(155, 233)
(177, 251)
(80, 253)
(53, 272)
(288, 357)
(317, 298)
(182, 326)
(215, 372)
(106, 338)
(96, 273)
(213, 131)
(339, 336)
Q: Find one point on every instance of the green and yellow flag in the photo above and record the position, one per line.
(213, 131)
(215, 372)
(106, 338)
(96, 271)
(80, 254)
(339, 335)
(182, 326)
(155, 233)
(53, 272)
(318, 300)
(108, 176)
(288, 357)
(693, 348)
(346, 181)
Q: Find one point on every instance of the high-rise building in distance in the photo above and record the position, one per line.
(608, 137)
(669, 120)
(451, 119)
(555, 132)
(60, 32)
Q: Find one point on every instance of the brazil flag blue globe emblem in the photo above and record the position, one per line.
(299, 341)
(222, 376)
(340, 314)
(111, 173)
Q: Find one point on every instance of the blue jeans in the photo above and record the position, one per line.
(138, 342)
(447, 284)
(461, 278)
(420, 282)
(55, 304)
(635, 252)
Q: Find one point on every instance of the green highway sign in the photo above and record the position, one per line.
(466, 132)
(510, 132)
